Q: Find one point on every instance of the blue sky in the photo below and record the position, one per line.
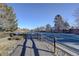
(36, 15)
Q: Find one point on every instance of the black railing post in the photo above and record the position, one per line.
(54, 44)
(37, 36)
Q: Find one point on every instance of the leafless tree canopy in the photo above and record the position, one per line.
(60, 24)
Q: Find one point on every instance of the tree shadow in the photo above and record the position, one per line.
(36, 53)
(24, 46)
(34, 47)
(42, 50)
(39, 49)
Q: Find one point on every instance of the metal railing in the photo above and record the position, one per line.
(56, 49)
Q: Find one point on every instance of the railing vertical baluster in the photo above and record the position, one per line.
(54, 44)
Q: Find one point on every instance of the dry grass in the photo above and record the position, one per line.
(3, 34)
(16, 38)
(6, 45)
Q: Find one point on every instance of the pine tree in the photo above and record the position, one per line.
(8, 18)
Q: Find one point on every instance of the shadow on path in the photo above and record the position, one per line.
(39, 49)
(24, 46)
(34, 47)
(36, 53)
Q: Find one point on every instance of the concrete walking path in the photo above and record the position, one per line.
(33, 47)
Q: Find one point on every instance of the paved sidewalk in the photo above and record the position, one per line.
(33, 47)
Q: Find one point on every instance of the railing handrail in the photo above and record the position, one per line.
(56, 46)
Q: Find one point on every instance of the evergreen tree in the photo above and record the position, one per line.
(8, 18)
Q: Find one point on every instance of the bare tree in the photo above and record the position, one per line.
(59, 23)
(76, 14)
(66, 25)
(48, 28)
